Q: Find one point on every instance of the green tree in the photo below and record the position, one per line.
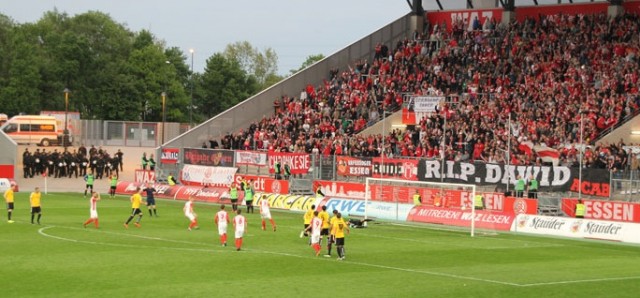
(223, 85)
(310, 61)
(261, 65)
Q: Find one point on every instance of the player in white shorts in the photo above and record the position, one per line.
(222, 220)
(240, 224)
(265, 213)
(190, 214)
(316, 227)
(93, 210)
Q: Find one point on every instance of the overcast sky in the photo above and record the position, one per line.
(295, 29)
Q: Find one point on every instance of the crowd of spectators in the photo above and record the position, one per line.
(540, 76)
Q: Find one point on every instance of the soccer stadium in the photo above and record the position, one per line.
(481, 152)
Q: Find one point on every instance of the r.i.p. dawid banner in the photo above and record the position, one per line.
(594, 181)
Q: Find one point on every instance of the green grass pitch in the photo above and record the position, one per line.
(60, 258)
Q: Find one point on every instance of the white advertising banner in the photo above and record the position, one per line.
(577, 228)
(426, 104)
(251, 158)
(208, 176)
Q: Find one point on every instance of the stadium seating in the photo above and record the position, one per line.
(541, 74)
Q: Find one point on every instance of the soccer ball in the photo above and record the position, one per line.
(463, 208)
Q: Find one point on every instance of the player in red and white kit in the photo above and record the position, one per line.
(93, 210)
(240, 224)
(265, 213)
(190, 214)
(316, 227)
(222, 220)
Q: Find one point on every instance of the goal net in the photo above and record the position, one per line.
(447, 205)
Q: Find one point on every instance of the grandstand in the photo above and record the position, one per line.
(540, 71)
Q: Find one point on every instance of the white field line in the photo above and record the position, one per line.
(527, 243)
(41, 231)
(579, 281)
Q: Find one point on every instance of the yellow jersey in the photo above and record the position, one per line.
(331, 222)
(308, 216)
(325, 219)
(136, 200)
(34, 198)
(8, 195)
(338, 227)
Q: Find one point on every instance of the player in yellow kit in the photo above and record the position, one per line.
(34, 200)
(8, 197)
(338, 228)
(308, 216)
(324, 216)
(332, 236)
(136, 201)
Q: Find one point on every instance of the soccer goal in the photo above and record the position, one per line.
(446, 205)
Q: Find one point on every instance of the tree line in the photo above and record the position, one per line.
(116, 74)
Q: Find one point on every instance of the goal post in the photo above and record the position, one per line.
(448, 205)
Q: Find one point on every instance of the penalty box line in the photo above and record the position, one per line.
(42, 232)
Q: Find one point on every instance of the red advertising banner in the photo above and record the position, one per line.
(162, 190)
(339, 189)
(467, 16)
(406, 169)
(209, 157)
(299, 163)
(265, 184)
(170, 155)
(181, 192)
(520, 205)
(6, 171)
(145, 176)
(494, 220)
(604, 210)
(450, 18)
(354, 167)
(254, 158)
(408, 117)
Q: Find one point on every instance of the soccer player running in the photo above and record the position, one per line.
(8, 197)
(339, 228)
(89, 178)
(93, 210)
(265, 213)
(315, 227)
(190, 214)
(136, 201)
(222, 221)
(240, 225)
(36, 208)
(151, 200)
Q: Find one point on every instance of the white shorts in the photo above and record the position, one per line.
(93, 213)
(190, 216)
(239, 233)
(315, 238)
(222, 229)
(266, 214)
